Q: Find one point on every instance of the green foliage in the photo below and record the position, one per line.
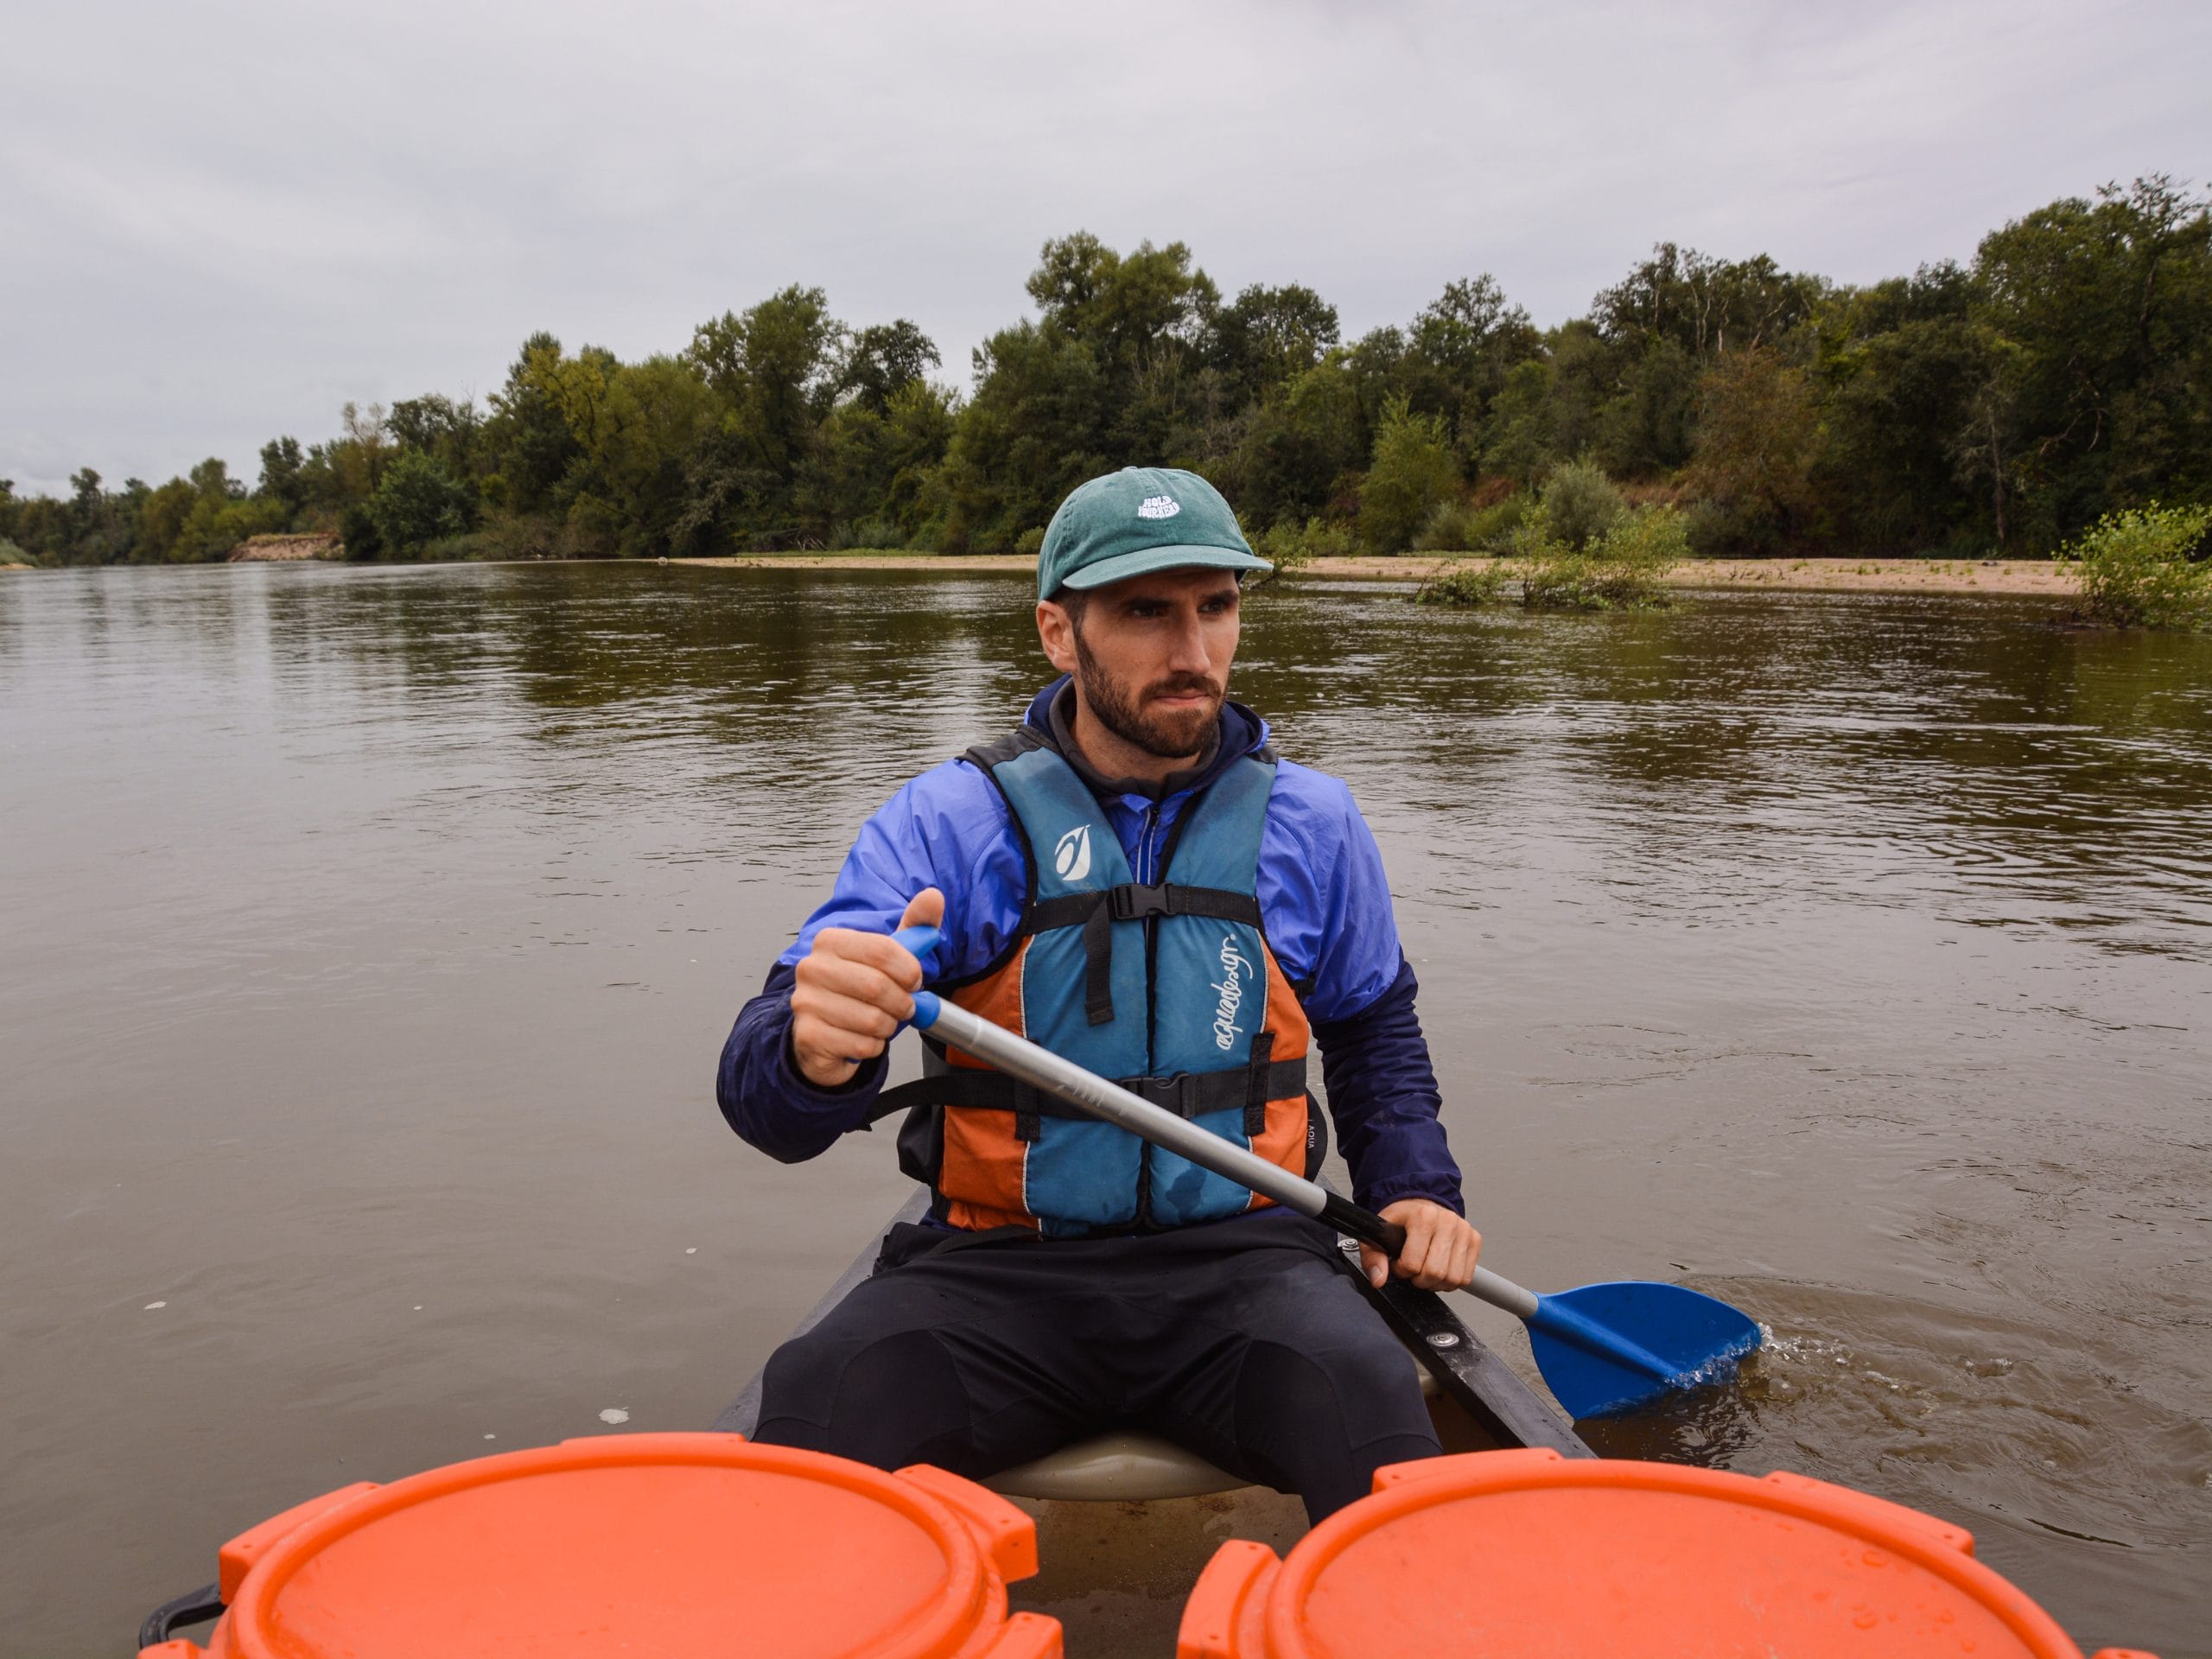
(416, 505)
(357, 531)
(1621, 569)
(1466, 585)
(1290, 547)
(11, 553)
(1580, 504)
(1295, 451)
(2007, 404)
(2099, 397)
(1268, 336)
(1462, 527)
(1411, 471)
(1757, 446)
(2137, 572)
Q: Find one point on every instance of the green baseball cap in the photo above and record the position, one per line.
(1134, 522)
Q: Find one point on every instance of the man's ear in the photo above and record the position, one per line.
(1055, 633)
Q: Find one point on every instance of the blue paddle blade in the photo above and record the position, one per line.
(1612, 1347)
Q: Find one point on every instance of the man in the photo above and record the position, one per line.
(1134, 879)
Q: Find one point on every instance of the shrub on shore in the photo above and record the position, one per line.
(1466, 585)
(2137, 571)
(1623, 568)
(1580, 503)
(1462, 527)
(1290, 546)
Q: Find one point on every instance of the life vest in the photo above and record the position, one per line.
(1167, 988)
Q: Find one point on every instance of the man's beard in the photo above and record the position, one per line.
(1168, 735)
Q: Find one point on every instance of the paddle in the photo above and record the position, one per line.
(1602, 1349)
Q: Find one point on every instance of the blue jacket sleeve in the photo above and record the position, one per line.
(942, 829)
(765, 1097)
(1383, 1096)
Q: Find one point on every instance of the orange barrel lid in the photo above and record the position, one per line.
(1511, 1554)
(639, 1545)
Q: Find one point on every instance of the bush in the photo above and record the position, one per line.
(1031, 541)
(2136, 570)
(475, 546)
(1622, 569)
(11, 553)
(880, 532)
(516, 535)
(1582, 503)
(1290, 546)
(1465, 584)
(1445, 531)
(1462, 527)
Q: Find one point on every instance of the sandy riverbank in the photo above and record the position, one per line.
(1831, 576)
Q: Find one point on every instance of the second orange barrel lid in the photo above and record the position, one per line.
(638, 1545)
(1511, 1554)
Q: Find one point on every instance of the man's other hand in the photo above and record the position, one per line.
(1441, 1248)
(852, 990)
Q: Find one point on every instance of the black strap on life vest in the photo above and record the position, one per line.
(1097, 912)
(1186, 1094)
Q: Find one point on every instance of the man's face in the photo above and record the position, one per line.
(1151, 656)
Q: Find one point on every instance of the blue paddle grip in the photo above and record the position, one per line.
(921, 943)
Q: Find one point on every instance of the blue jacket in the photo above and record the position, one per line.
(1324, 904)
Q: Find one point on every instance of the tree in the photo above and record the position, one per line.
(1706, 306)
(1756, 443)
(418, 503)
(2105, 309)
(1900, 370)
(527, 444)
(883, 360)
(1460, 349)
(282, 462)
(1293, 455)
(1112, 372)
(1412, 470)
(1268, 334)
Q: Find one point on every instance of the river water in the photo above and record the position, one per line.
(370, 935)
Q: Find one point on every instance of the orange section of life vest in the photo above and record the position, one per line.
(984, 1162)
(1282, 1140)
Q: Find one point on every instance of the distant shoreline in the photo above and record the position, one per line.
(2030, 576)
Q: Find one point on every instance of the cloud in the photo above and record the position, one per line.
(223, 221)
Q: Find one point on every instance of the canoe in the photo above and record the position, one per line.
(1478, 1400)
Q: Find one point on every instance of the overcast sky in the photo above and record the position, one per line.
(219, 221)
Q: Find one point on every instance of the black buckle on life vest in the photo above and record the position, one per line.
(1179, 1094)
(1135, 901)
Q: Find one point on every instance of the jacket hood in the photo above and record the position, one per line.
(1242, 732)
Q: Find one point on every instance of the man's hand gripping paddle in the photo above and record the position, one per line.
(1602, 1349)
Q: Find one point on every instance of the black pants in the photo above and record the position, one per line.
(1246, 1342)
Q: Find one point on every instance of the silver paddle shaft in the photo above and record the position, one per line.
(1064, 1080)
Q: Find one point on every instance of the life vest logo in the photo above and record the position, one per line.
(1158, 506)
(1071, 853)
(1236, 969)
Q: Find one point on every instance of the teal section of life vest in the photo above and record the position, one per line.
(1078, 1175)
(1199, 1013)
(1210, 992)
